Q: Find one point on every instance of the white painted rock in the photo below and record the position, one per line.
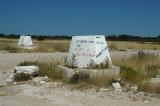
(25, 41)
(117, 87)
(32, 70)
(85, 50)
(134, 88)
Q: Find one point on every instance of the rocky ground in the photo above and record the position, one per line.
(58, 94)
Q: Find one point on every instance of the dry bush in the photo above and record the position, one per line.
(79, 77)
(83, 79)
(104, 65)
(147, 87)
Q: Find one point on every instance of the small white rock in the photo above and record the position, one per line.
(103, 89)
(15, 83)
(146, 101)
(42, 82)
(134, 88)
(141, 93)
(46, 79)
(117, 87)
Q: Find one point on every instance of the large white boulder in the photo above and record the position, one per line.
(86, 49)
(32, 70)
(25, 41)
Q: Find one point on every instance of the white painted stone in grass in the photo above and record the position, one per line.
(32, 70)
(86, 49)
(25, 41)
(117, 87)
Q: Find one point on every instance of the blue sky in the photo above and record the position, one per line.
(80, 17)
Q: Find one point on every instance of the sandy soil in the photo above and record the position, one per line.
(57, 94)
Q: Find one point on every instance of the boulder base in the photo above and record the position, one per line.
(110, 72)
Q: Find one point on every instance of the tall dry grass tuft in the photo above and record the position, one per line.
(139, 67)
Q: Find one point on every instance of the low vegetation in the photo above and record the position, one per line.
(134, 70)
(139, 68)
(45, 69)
(22, 77)
(104, 65)
(10, 45)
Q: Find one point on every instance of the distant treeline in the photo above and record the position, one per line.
(123, 37)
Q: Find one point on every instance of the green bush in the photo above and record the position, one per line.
(79, 77)
(22, 77)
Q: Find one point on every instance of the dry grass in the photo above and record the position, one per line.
(139, 67)
(133, 45)
(10, 45)
(134, 70)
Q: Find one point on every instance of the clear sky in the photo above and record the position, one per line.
(80, 17)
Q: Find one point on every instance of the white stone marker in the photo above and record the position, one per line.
(25, 41)
(84, 49)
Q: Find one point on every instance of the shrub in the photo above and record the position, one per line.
(103, 65)
(79, 77)
(27, 63)
(131, 75)
(22, 77)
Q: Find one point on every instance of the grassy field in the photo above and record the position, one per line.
(10, 45)
(134, 70)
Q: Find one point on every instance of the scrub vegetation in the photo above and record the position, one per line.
(136, 69)
(140, 68)
(10, 45)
